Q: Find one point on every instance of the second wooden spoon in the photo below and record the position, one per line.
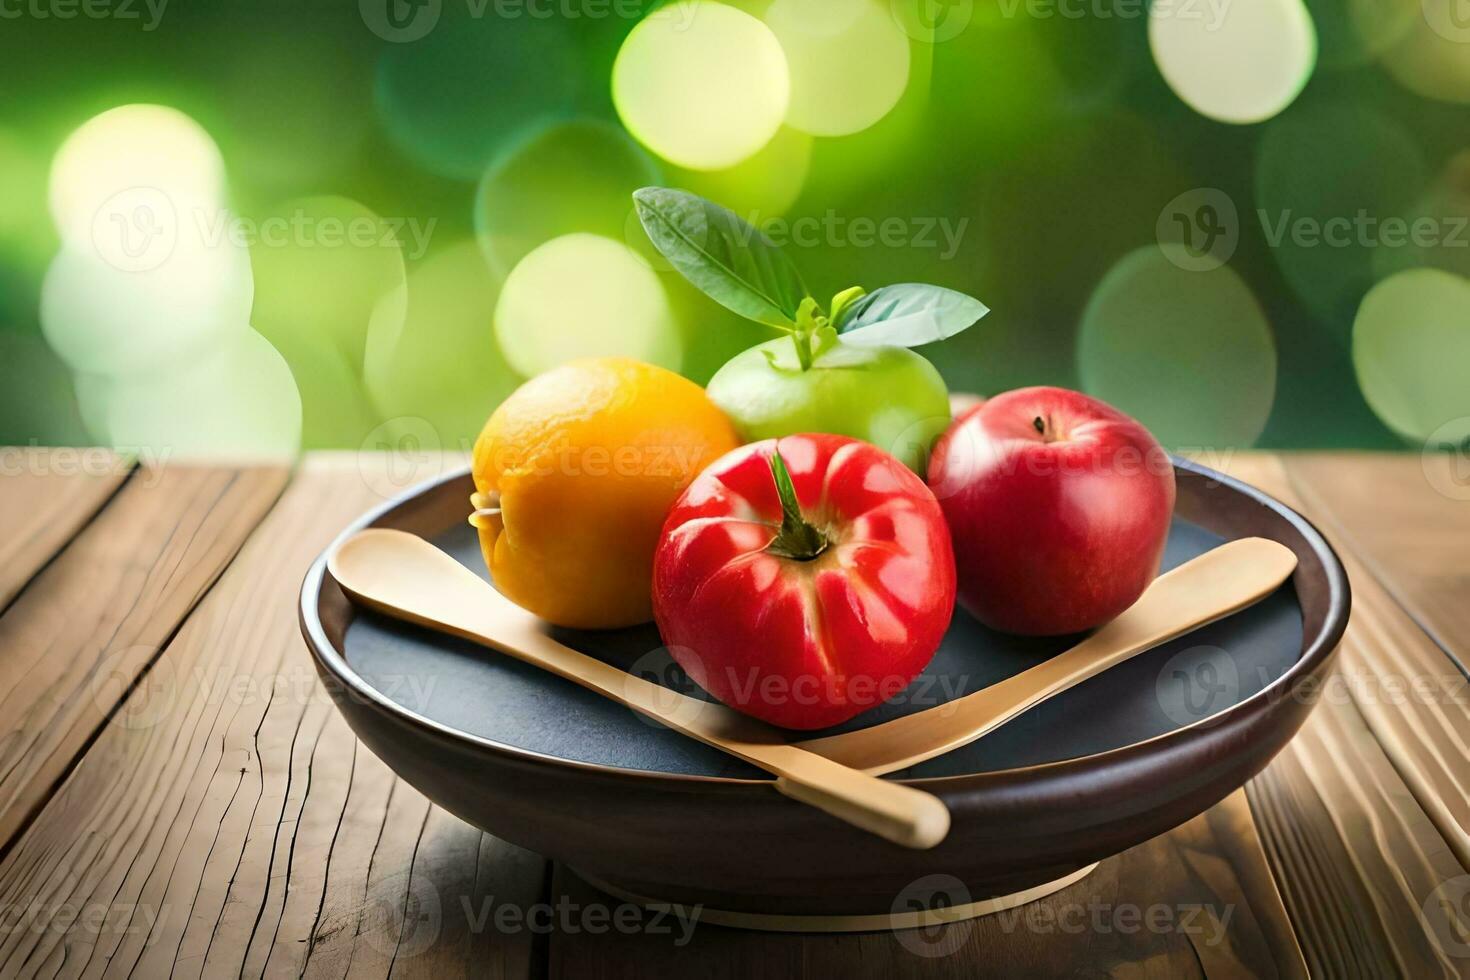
(408, 578)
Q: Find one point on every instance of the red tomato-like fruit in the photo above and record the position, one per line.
(1059, 506)
(806, 585)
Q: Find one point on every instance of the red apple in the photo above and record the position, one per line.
(1058, 505)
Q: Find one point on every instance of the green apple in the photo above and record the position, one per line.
(888, 396)
(846, 370)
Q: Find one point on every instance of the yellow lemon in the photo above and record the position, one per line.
(583, 463)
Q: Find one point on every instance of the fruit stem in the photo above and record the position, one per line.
(803, 342)
(809, 319)
(798, 539)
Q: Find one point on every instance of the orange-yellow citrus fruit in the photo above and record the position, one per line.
(584, 462)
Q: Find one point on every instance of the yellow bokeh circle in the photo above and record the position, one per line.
(701, 84)
(584, 295)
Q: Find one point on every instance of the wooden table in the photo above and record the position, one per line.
(179, 797)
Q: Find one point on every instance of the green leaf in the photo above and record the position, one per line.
(843, 299)
(907, 315)
(724, 257)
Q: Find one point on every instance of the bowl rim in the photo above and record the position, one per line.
(1314, 654)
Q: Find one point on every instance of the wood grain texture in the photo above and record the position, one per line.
(1364, 813)
(1407, 519)
(46, 496)
(1198, 901)
(85, 628)
(228, 822)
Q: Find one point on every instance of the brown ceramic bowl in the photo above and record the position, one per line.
(1121, 758)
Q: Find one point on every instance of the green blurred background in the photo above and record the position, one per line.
(245, 227)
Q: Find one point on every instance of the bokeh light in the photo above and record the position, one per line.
(103, 319)
(848, 61)
(546, 188)
(584, 295)
(1432, 57)
(1411, 345)
(431, 355)
(701, 84)
(1239, 63)
(1327, 177)
(321, 266)
(132, 172)
(1189, 354)
(1354, 33)
(1435, 229)
(761, 186)
(1025, 149)
(237, 402)
(454, 99)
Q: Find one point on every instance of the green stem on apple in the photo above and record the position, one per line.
(798, 539)
(809, 319)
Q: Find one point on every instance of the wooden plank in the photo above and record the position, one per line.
(1413, 697)
(243, 830)
(84, 629)
(46, 496)
(1362, 814)
(1198, 901)
(1407, 519)
(1357, 857)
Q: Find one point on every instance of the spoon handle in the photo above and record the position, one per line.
(406, 577)
(1214, 585)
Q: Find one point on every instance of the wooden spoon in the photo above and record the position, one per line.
(1214, 585)
(408, 578)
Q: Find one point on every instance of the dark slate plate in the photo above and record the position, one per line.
(472, 689)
